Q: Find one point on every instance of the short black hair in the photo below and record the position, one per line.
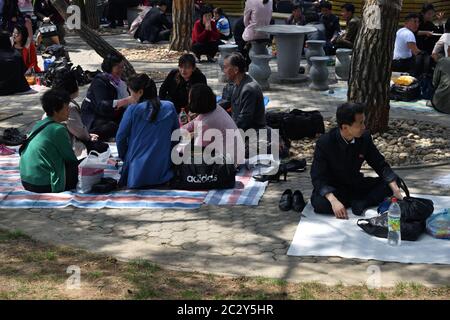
(219, 11)
(427, 7)
(110, 61)
(186, 59)
(345, 113)
(326, 5)
(66, 81)
(411, 16)
(54, 100)
(349, 7)
(5, 43)
(162, 3)
(23, 32)
(236, 59)
(207, 8)
(295, 7)
(202, 99)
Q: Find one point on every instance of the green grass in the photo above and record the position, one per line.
(143, 265)
(191, 295)
(13, 235)
(41, 256)
(145, 293)
(270, 281)
(95, 274)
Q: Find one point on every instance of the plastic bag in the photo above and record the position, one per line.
(91, 170)
(438, 225)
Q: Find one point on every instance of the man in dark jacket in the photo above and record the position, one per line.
(155, 27)
(331, 24)
(347, 38)
(335, 172)
(247, 101)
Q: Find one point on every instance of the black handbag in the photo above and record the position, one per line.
(300, 124)
(204, 176)
(414, 213)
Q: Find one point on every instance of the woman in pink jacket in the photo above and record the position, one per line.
(257, 13)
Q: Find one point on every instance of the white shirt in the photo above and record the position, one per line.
(401, 49)
(442, 44)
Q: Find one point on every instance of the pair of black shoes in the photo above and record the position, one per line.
(292, 200)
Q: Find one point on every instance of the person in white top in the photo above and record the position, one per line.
(441, 48)
(405, 49)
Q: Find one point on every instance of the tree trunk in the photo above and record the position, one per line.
(370, 74)
(182, 15)
(92, 18)
(94, 40)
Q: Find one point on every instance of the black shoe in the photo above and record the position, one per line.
(285, 203)
(298, 203)
(296, 165)
(282, 170)
(358, 207)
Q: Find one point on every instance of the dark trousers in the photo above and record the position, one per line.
(117, 11)
(71, 180)
(372, 190)
(207, 48)
(105, 129)
(415, 66)
(164, 35)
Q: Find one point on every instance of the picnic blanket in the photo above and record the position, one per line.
(12, 195)
(419, 105)
(323, 235)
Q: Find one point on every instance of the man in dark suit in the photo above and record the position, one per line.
(155, 27)
(347, 38)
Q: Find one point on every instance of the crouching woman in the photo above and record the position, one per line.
(47, 162)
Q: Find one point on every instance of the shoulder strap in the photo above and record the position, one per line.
(32, 135)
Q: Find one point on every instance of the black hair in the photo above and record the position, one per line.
(447, 26)
(66, 81)
(186, 58)
(236, 59)
(427, 7)
(5, 43)
(411, 16)
(162, 3)
(206, 9)
(219, 11)
(345, 113)
(110, 61)
(265, 1)
(349, 7)
(326, 5)
(54, 100)
(145, 83)
(201, 99)
(23, 32)
(295, 7)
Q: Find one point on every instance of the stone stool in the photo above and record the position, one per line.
(225, 50)
(258, 48)
(315, 49)
(260, 70)
(319, 73)
(343, 63)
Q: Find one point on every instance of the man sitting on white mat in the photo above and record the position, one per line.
(335, 172)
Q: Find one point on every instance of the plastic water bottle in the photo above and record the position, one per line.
(183, 117)
(394, 214)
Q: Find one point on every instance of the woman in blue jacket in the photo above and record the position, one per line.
(144, 136)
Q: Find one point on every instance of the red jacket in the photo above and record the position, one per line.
(199, 34)
(30, 58)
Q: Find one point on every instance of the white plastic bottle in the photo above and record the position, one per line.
(394, 214)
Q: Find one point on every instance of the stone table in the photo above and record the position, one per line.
(289, 41)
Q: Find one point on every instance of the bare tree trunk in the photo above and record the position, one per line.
(182, 15)
(92, 18)
(372, 60)
(94, 40)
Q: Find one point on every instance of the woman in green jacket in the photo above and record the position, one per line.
(48, 163)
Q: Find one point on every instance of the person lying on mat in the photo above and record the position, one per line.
(47, 162)
(335, 171)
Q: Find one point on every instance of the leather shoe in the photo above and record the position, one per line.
(298, 203)
(285, 203)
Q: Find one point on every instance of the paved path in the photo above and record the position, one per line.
(244, 241)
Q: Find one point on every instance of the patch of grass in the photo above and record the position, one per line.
(400, 289)
(416, 288)
(270, 281)
(145, 293)
(48, 255)
(304, 293)
(95, 274)
(144, 265)
(382, 296)
(191, 295)
(356, 295)
(13, 235)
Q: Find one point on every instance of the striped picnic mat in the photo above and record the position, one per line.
(12, 194)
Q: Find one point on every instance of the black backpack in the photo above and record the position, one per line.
(296, 124)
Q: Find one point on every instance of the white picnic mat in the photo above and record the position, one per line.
(323, 235)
